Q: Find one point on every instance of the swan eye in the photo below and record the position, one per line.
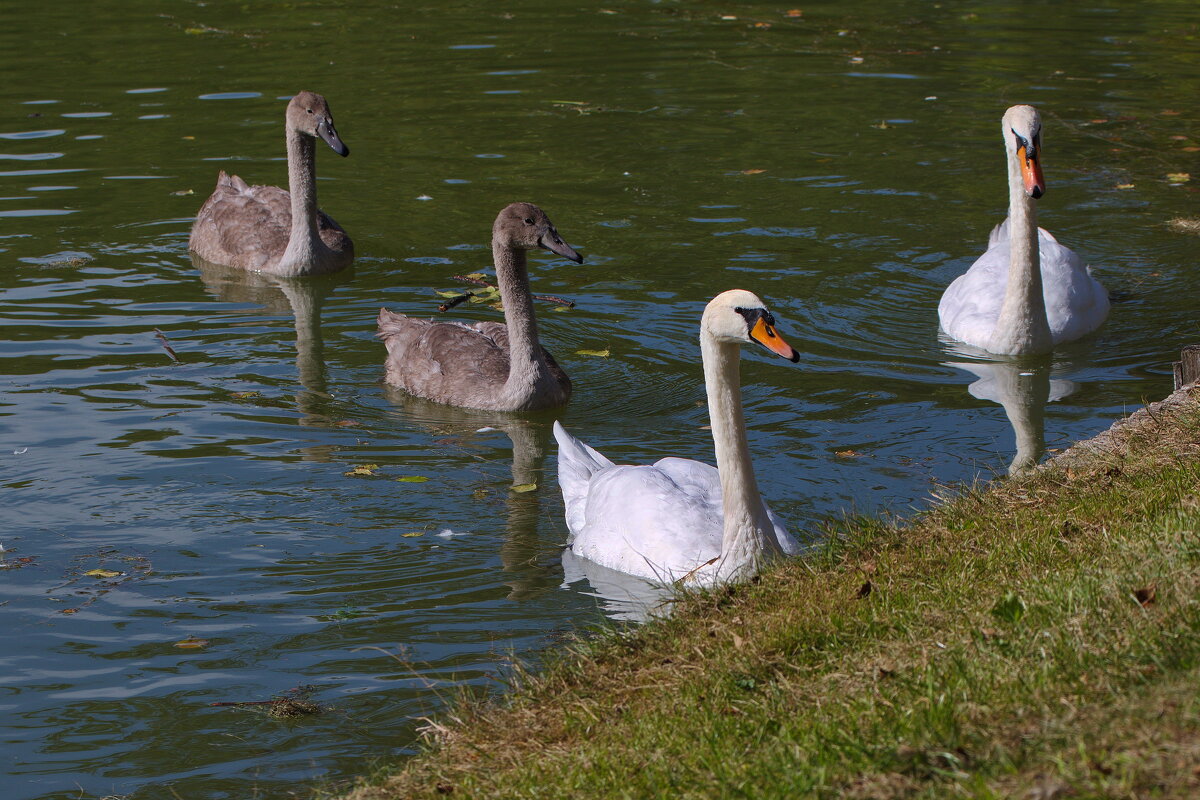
(528, 220)
(309, 110)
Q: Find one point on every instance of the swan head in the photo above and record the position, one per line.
(1023, 140)
(524, 226)
(309, 113)
(739, 317)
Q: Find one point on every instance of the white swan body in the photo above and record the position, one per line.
(680, 519)
(267, 229)
(1027, 293)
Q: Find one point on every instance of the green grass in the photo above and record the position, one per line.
(1036, 638)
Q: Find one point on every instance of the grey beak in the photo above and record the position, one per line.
(554, 243)
(327, 132)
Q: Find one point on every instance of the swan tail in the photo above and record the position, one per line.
(577, 463)
(999, 234)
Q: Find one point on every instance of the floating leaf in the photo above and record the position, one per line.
(561, 308)
(793, 12)
(597, 353)
(244, 395)
(103, 573)
(523, 487)
(848, 454)
(1179, 177)
(362, 469)
(183, 192)
(347, 423)
(411, 535)
(411, 479)
(762, 25)
(476, 275)
(192, 643)
(1123, 186)
(479, 494)
(450, 294)
(753, 171)
(69, 611)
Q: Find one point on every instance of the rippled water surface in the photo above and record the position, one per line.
(845, 163)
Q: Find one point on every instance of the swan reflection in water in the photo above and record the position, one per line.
(303, 298)
(1023, 386)
(525, 559)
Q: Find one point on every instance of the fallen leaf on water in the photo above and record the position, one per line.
(847, 454)
(183, 192)
(69, 611)
(561, 308)
(244, 395)
(1190, 149)
(1097, 121)
(1170, 112)
(362, 469)
(1178, 138)
(347, 423)
(412, 479)
(476, 275)
(450, 294)
(411, 535)
(762, 25)
(753, 171)
(103, 573)
(883, 126)
(1123, 186)
(479, 494)
(523, 487)
(1179, 177)
(793, 12)
(190, 138)
(598, 353)
(192, 643)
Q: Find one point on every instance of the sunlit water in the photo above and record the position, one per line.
(845, 164)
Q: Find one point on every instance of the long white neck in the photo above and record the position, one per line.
(304, 242)
(749, 536)
(527, 366)
(1021, 327)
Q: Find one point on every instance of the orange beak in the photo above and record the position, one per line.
(1031, 171)
(765, 335)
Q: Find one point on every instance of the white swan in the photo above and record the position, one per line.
(269, 229)
(681, 519)
(488, 365)
(1048, 296)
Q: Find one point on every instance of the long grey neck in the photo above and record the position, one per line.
(304, 243)
(1022, 326)
(527, 367)
(748, 535)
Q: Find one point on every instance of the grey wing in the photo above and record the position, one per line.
(242, 226)
(445, 361)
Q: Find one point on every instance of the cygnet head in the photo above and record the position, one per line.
(309, 113)
(1023, 140)
(524, 226)
(738, 316)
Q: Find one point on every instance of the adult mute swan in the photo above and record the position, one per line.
(488, 365)
(268, 229)
(1027, 293)
(681, 519)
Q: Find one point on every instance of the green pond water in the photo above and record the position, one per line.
(845, 164)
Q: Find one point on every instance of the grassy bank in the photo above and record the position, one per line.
(1038, 638)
